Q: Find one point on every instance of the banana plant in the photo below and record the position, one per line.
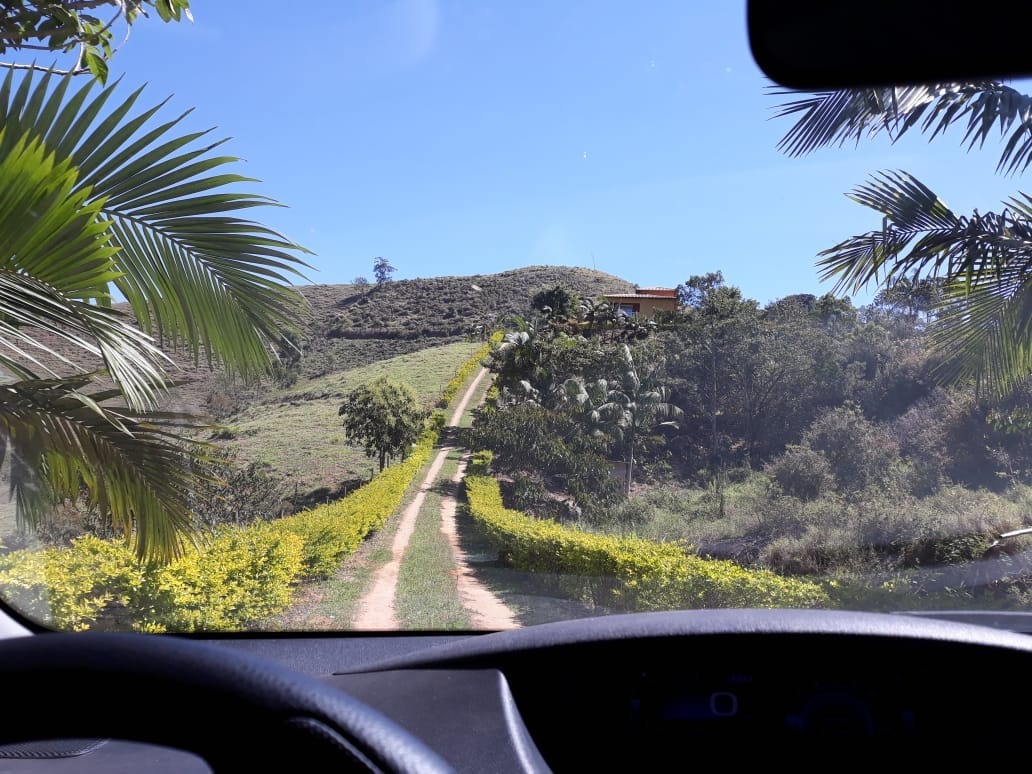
(623, 408)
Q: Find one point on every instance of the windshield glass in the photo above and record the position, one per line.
(569, 311)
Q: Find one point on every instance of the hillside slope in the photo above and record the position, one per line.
(354, 324)
(290, 422)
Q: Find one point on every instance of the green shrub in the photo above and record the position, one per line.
(860, 454)
(242, 576)
(637, 574)
(69, 588)
(802, 472)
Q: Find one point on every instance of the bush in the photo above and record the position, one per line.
(528, 437)
(69, 588)
(243, 576)
(235, 494)
(859, 453)
(802, 472)
(630, 573)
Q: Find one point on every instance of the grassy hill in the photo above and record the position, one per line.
(357, 324)
(297, 432)
(414, 330)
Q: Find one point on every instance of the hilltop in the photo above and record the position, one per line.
(416, 330)
(354, 325)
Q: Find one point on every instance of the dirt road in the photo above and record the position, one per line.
(377, 609)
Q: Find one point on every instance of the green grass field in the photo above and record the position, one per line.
(428, 597)
(298, 433)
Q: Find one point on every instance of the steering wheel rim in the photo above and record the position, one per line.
(231, 708)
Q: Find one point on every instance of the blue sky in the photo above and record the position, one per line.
(473, 137)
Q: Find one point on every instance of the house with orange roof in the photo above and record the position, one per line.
(645, 302)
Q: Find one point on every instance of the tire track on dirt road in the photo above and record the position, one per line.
(377, 609)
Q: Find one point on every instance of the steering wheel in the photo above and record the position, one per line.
(234, 710)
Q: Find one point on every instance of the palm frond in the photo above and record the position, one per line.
(983, 324)
(986, 325)
(922, 236)
(850, 115)
(195, 275)
(133, 465)
(55, 258)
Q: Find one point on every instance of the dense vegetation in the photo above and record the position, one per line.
(806, 436)
(241, 575)
(624, 572)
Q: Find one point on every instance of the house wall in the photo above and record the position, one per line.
(644, 305)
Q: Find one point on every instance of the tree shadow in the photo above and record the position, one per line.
(445, 488)
(325, 494)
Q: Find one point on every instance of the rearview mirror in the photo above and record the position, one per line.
(830, 44)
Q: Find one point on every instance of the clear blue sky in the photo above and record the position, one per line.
(473, 137)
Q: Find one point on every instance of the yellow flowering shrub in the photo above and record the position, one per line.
(69, 588)
(242, 576)
(629, 573)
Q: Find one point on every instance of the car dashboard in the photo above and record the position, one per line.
(642, 691)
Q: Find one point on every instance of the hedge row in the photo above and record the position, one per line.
(241, 576)
(626, 573)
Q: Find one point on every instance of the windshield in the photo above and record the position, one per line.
(569, 312)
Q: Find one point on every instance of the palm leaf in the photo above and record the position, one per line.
(850, 115)
(133, 465)
(989, 323)
(55, 258)
(983, 323)
(195, 276)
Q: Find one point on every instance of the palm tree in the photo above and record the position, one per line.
(623, 408)
(98, 199)
(982, 328)
(522, 365)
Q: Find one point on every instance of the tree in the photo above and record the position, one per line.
(716, 316)
(384, 417)
(72, 27)
(859, 453)
(531, 363)
(382, 270)
(545, 447)
(983, 318)
(914, 299)
(96, 199)
(630, 406)
(556, 303)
